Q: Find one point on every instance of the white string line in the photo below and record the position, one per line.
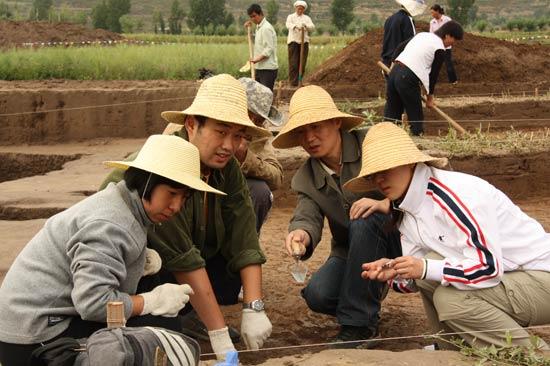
(434, 335)
(94, 106)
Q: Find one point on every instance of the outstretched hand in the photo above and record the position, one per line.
(380, 270)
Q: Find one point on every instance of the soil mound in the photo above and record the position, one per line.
(477, 60)
(16, 33)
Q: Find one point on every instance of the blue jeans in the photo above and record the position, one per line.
(337, 287)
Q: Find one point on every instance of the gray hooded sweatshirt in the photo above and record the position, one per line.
(83, 257)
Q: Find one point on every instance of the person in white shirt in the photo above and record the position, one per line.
(439, 18)
(265, 47)
(481, 264)
(297, 23)
(417, 62)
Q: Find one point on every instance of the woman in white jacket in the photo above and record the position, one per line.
(481, 265)
(95, 252)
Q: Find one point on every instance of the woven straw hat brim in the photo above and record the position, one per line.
(288, 138)
(388, 146)
(178, 117)
(180, 177)
(171, 157)
(361, 184)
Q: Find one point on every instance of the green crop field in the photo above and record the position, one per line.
(143, 62)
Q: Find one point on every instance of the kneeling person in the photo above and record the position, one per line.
(357, 228)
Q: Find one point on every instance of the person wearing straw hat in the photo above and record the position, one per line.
(214, 245)
(417, 62)
(259, 163)
(265, 47)
(296, 23)
(481, 264)
(95, 252)
(358, 236)
(400, 26)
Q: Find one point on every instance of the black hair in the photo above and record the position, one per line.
(254, 8)
(452, 28)
(138, 179)
(438, 8)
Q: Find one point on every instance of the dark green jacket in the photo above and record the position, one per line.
(319, 196)
(184, 242)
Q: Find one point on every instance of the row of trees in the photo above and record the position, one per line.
(212, 17)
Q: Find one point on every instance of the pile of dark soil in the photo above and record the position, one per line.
(16, 33)
(478, 60)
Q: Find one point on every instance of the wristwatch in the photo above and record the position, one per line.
(256, 305)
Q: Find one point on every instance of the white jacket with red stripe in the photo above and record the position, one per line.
(478, 230)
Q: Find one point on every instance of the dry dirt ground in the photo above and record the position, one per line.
(26, 202)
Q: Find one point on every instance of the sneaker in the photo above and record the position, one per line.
(357, 337)
(193, 327)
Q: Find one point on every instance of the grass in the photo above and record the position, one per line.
(235, 39)
(503, 355)
(485, 143)
(542, 37)
(134, 62)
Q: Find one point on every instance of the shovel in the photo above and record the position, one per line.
(249, 65)
(445, 116)
(301, 64)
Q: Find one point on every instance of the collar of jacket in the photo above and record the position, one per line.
(417, 189)
(261, 23)
(133, 201)
(351, 152)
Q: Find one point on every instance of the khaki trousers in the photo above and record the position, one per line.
(521, 299)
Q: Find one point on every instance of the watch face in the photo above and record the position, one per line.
(257, 305)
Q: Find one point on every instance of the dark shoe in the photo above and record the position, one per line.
(193, 327)
(357, 337)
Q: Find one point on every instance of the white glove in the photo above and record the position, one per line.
(152, 262)
(221, 342)
(166, 300)
(255, 328)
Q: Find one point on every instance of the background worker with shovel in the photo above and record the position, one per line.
(416, 62)
(299, 25)
(264, 59)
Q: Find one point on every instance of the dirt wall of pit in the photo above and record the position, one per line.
(72, 111)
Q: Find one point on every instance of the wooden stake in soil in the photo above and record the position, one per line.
(115, 314)
(405, 120)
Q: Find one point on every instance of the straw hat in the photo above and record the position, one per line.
(220, 97)
(300, 3)
(414, 7)
(171, 157)
(308, 105)
(388, 146)
(260, 101)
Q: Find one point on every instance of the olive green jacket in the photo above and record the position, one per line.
(187, 240)
(319, 196)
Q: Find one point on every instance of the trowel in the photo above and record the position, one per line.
(298, 269)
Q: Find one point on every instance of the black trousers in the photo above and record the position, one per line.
(403, 93)
(267, 77)
(294, 62)
(451, 73)
(19, 354)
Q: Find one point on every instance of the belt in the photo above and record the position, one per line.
(399, 63)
